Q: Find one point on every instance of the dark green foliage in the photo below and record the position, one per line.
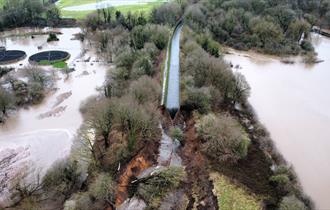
(306, 45)
(52, 37)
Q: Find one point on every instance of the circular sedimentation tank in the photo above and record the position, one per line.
(11, 56)
(49, 57)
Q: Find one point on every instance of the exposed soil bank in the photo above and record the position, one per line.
(144, 159)
(199, 183)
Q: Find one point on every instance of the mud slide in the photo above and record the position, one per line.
(199, 187)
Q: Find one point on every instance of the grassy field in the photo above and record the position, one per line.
(68, 3)
(146, 8)
(232, 197)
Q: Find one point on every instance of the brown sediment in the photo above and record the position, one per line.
(133, 169)
(145, 158)
(199, 188)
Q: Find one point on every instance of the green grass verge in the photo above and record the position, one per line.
(69, 3)
(60, 65)
(57, 64)
(232, 197)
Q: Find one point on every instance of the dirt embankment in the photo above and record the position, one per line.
(145, 158)
(199, 188)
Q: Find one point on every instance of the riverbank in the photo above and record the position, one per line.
(297, 94)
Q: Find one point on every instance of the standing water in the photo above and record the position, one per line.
(34, 138)
(293, 102)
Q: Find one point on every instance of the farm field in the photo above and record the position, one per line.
(145, 7)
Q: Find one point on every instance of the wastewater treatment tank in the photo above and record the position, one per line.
(49, 57)
(10, 56)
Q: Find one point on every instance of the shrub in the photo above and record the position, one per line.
(134, 120)
(6, 102)
(63, 178)
(223, 138)
(168, 13)
(100, 119)
(52, 37)
(198, 99)
(292, 203)
(145, 90)
(142, 66)
(155, 187)
(176, 133)
(150, 50)
(307, 46)
(37, 75)
(36, 92)
(103, 188)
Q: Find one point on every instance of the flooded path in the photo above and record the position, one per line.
(293, 102)
(43, 133)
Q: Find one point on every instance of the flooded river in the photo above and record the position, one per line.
(293, 102)
(34, 138)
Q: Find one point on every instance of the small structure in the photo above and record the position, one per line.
(49, 57)
(10, 56)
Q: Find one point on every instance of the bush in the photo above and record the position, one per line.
(155, 187)
(176, 133)
(103, 188)
(292, 203)
(63, 178)
(224, 140)
(135, 121)
(6, 102)
(168, 13)
(198, 99)
(142, 66)
(307, 46)
(36, 92)
(52, 37)
(145, 90)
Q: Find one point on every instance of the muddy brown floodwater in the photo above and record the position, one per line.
(293, 102)
(34, 138)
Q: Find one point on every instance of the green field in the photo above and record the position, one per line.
(146, 8)
(233, 197)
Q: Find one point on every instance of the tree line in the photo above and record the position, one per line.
(273, 27)
(18, 13)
